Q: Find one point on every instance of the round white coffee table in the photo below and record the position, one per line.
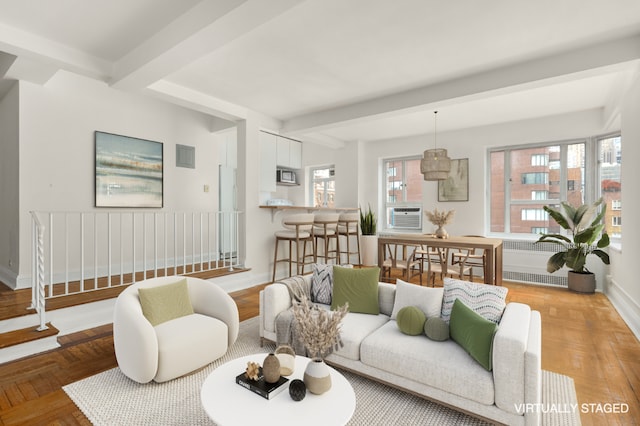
(227, 403)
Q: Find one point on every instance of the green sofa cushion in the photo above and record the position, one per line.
(435, 328)
(411, 320)
(473, 332)
(358, 287)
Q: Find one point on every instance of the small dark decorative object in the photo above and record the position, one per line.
(271, 369)
(297, 390)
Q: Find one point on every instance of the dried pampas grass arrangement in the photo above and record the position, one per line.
(319, 329)
(440, 218)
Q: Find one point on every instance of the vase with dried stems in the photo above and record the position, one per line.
(319, 331)
(440, 218)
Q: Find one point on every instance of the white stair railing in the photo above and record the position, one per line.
(77, 252)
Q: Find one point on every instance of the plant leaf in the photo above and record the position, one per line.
(604, 241)
(575, 259)
(556, 261)
(553, 238)
(602, 255)
(557, 216)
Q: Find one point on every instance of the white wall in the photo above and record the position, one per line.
(346, 173)
(623, 289)
(9, 123)
(57, 124)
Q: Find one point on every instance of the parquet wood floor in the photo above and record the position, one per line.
(583, 337)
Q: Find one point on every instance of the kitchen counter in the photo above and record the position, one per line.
(307, 209)
(310, 208)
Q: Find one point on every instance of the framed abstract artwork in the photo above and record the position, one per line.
(456, 186)
(128, 171)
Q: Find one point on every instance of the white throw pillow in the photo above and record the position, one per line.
(428, 299)
(486, 300)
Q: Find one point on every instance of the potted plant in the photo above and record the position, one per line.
(587, 237)
(369, 245)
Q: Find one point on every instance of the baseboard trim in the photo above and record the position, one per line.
(8, 277)
(628, 308)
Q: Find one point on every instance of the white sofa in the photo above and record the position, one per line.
(441, 371)
(179, 346)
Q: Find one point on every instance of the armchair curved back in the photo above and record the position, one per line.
(134, 337)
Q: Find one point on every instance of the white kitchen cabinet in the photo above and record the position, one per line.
(282, 157)
(295, 155)
(289, 153)
(268, 149)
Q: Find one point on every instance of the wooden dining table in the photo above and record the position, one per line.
(492, 248)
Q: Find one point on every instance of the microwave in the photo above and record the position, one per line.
(285, 176)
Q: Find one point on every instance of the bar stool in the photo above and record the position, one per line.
(325, 229)
(348, 227)
(297, 230)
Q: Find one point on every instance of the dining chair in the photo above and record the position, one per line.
(473, 258)
(437, 259)
(402, 257)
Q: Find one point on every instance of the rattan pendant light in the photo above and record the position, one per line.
(435, 164)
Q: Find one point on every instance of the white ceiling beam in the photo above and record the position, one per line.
(203, 29)
(51, 54)
(26, 69)
(325, 140)
(197, 101)
(588, 61)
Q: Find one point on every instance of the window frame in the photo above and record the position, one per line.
(589, 191)
(312, 182)
(616, 239)
(386, 204)
(592, 181)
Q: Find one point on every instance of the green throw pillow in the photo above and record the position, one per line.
(166, 302)
(473, 333)
(358, 287)
(436, 329)
(411, 320)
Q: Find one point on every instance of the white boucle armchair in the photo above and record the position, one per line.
(179, 346)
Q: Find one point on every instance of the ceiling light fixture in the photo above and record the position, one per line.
(435, 165)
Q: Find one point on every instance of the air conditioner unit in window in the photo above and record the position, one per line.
(406, 218)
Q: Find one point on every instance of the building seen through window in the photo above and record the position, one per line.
(323, 186)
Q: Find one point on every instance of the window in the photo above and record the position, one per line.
(539, 160)
(610, 164)
(533, 178)
(525, 179)
(539, 230)
(534, 214)
(402, 185)
(323, 186)
(540, 194)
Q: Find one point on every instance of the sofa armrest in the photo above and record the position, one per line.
(273, 300)
(134, 339)
(211, 300)
(516, 359)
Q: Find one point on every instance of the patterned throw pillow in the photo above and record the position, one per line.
(322, 283)
(486, 300)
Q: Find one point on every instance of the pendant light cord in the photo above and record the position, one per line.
(435, 130)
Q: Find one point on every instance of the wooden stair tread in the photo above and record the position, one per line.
(25, 335)
(13, 303)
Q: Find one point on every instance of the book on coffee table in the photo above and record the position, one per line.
(260, 386)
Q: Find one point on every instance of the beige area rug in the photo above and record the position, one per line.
(110, 398)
